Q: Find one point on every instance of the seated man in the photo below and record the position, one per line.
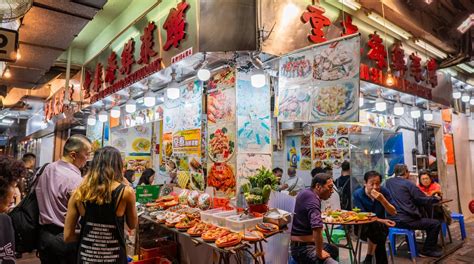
(306, 233)
(408, 199)
(376, 199)
(293, 184)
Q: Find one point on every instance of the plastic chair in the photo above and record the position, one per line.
(460, 218)
(336, 237)
(410, 235)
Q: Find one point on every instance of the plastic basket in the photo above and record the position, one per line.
(207, 216)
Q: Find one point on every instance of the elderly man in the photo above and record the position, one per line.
(53, 190)
(306, 233)
(293, 184)
(407, 199)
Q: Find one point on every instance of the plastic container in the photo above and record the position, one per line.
(220, 218)
(156, 260)
(207, 216)
(236, 224)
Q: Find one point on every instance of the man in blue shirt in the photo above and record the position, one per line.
(407, 199)
(376, 199)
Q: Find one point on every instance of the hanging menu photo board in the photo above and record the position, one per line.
(320, 83)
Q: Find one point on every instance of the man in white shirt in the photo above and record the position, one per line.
(293, 184)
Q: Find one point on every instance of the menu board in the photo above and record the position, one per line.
(182, 121)
(143, 116)
(135, 145)
(94, 134)
(221, 137)
(247, 165)
(330, 144)
(298, 152)
(378, 120)
(320, 83)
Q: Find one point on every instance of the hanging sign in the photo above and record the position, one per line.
(8, 44)
(165, 38)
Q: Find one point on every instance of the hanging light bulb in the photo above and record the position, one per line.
(361, 101)
(465, 97)
(258, 78)
(18, 55)
(380, 104)
(389, 81)
(471, 101)
(103, 116)
(415, 112)
(204, 74)
(115, 111)
(456, 94)
(428, 115)
(149, 99)
(398, 109)
(130, 105)
(172, 92)
(91, 119)
(7, 74)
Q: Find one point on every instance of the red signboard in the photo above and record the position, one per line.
(146, 50)
(111, 68)
(175, 25)
(398, 59)
(127, 59)
(377, 51)
(55, 105)
(347, 27)
(317, 20)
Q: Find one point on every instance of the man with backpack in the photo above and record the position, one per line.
(346, 185)
(53, 189)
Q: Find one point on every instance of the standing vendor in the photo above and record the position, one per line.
(307, 230)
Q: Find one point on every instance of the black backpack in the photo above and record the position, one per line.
(25, 219)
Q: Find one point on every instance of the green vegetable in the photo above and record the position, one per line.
(256, 191)
(246, 188)
(267, 189)
(355, 209)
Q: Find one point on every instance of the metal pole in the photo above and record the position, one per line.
(68, 76)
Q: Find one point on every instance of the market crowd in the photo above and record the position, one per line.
(82, 191)
(57, 208)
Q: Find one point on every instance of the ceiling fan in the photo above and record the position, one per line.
(11, 10)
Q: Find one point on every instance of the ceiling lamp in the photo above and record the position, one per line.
(465, 97)
(380, 104)
(91, 119)
(172, 92)
(463, 66)
(351, 4)
(456, 93)
(395, 29)
(103, 116)
(471, 102)
(466, 24)
(130, 104)
(149, 99)
(203, 72)
(258, 78)
(428, 115)
(415, 112)
(433, 50)
(18, 55)
(115, 111)
(398, 108)
(7, 74)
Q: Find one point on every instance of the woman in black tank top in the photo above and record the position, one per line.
(103, 202)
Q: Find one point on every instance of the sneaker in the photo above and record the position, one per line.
(431, 253)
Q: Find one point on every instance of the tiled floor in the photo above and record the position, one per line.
(464, 255)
